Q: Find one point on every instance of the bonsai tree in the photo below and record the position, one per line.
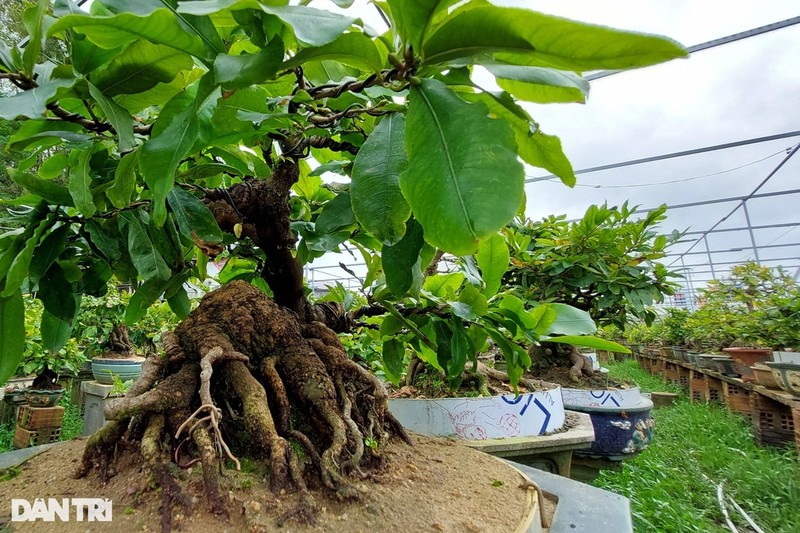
(605, 263)
(190, 131)
(754, 306)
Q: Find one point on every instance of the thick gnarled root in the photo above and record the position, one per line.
(240, 363)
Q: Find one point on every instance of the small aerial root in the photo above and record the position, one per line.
(212, 419)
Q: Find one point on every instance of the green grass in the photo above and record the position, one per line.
(71, 426)
(665, 482)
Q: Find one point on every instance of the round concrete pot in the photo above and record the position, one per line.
(787, 375)
(574, 398)
(480, 418)
(619, 433)
(104, 370)
(747, 357)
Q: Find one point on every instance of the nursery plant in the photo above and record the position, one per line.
(190, 131)
(605, 263)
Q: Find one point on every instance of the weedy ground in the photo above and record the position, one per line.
(665, 483)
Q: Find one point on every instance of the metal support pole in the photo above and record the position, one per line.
(710, 260)
(689, 286)
(750, 230)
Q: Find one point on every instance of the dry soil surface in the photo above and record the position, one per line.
(437, 485)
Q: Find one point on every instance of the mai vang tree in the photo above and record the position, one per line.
(186, 131)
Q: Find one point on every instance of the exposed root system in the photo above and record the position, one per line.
(243, 377)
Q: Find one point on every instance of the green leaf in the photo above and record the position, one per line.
(393, 358)
(106, 243)
(53, 166)
(142, 66)
(145, 296)
(400, 260)
(545, 151)
(312, 27)
(80, 182)
(162, 154)
(118, 117)
(48, 251)
(55, 332)
(337, 214)
(193, 217)
(20, 266)
(33, 102)
(493, 258)
(55, 292)
(50, 191)
(570, 321)
(413, 18)
(237, 72)
(541, 85)
(535, 148)
(180, 304)
(353, 49)
(12, 341)
(161, 26)
(124, 181)
(378, 202)
(529, 38)
(460, 162)
(33, 18)
(588, 342)
(148, 262)
(471, 304)
(444, 285)
(87, 56)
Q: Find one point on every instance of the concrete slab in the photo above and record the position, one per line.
(580, 436)
(582, 508)
(15, 458)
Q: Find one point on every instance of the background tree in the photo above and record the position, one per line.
(186, 132)
(605, 264)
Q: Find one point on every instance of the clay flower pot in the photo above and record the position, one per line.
(747, 357)
(788, 376)
(765, 378)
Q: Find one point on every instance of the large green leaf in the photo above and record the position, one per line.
(444, 285)
(535, 147)
(124, 181)
(160, 26)
(541, 85)
(526, 37)
(413, 18)
(55, 332)
(393, 354)
(50, 191)
(33, 102)
(588, 342)
(80, 182)
(162, 154)
(33, 18)
(48, 251)
(55, 292)
(353, 49)
(460, 162)
(145, 296)
(570, 321)
(493, 258)
(148, 262)
(118, 117)
(12, 341)
(87, 56)
(337, 214)
(193, 217)
(402, 259)
(378, 203)
(237, 72)
(20, 266)
(312, 27)
(140, 67)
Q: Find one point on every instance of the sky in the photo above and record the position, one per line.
(737, 91)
